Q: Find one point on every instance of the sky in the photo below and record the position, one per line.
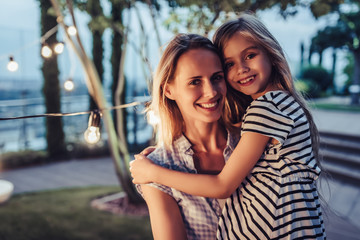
(20, 37)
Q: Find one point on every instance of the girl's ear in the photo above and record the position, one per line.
(169, 91)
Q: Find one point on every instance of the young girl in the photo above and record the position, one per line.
(270, 177)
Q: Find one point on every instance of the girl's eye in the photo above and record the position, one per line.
(250, 56)
(228, 65)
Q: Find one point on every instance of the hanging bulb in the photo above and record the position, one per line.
(152, 118)
(46, 51)
(12, 66)
(59, 47)
(69, 85)
(72, 30)
(92, 133)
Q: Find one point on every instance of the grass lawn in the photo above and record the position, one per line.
(335, 106)
(66, 214)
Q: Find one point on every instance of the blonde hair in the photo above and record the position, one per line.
(254, 30)
(171, 123)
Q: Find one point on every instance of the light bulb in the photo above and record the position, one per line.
(152, 118)
(46, 51)
(59, 47)
(12, 66)
(72, 30)
(92, 133)
(69, 85)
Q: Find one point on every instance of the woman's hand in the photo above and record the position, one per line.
(141, 169)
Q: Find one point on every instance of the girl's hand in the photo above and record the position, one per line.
(141, 169)
(148, 150)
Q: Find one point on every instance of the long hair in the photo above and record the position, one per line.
(171, 124)
(255, 31)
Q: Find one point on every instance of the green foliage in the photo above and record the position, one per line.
(322, 7)
(67, 215)
(24, 158)
(308, 88)
(321, 79)
(203, 16)
(334, 106)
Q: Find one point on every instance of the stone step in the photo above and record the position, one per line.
(341, 156)
(341, 142)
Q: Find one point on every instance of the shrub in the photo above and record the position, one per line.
(24, 158)
(308, 88)
(319, 76)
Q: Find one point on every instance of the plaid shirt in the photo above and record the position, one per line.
(200, 214)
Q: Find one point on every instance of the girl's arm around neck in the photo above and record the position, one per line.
(241, 162)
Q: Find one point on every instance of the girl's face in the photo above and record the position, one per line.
(248, 66)
(199, 87)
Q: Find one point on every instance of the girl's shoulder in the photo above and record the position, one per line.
(275, 96)
(279, 101)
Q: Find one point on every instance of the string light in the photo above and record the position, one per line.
(46, 51)
(12, 66)
(92, 133)
(153, 119)
(133, 104)
(69, 85)
(72, 31)
(59, 47)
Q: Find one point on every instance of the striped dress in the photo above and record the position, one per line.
(278, 199)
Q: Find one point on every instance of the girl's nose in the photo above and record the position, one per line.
(243, 68)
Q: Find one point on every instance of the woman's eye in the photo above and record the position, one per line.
(194, 82)
(218, 78)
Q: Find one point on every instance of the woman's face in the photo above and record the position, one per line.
(199, 86)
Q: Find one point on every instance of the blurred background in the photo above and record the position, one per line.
(323, 63)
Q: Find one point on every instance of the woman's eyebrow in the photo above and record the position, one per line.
(197, 77)
(194, 77)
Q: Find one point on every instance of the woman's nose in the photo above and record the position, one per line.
(209, 89)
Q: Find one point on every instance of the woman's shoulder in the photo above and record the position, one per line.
(171, 156)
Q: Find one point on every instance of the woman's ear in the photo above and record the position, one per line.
(169, 91)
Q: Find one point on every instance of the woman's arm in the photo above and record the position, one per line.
(165, 217)
(242, 160)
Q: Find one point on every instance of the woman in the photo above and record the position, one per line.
(189, 93)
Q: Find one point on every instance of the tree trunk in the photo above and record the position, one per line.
(356, 77)
(117, 42)
(51, 89)
(118, 93)
(95, 10)
(320, 58)
(333, 70)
